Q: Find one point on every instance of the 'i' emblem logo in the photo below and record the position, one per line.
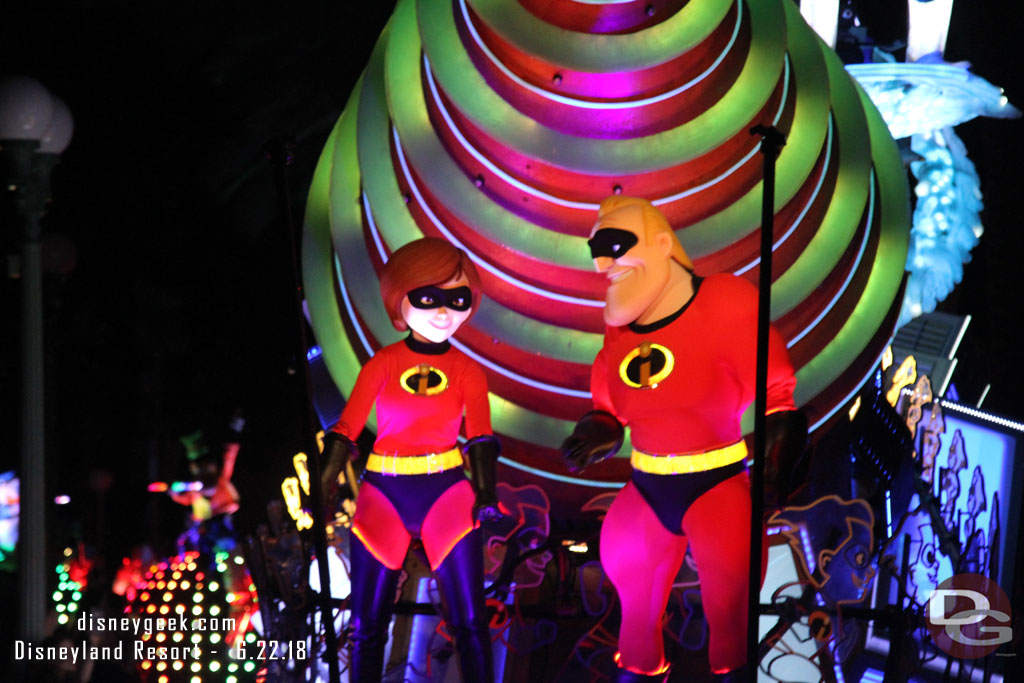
(646, 365)
(423, 380)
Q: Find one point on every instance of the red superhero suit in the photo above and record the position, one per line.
(678, 368)
(413, 420)
(414, 485)
(695, 407)
(698, 404)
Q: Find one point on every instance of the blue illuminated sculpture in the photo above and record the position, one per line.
(923, 100)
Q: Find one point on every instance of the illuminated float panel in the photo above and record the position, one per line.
(963, 517)
(500, 126)
(194, 621)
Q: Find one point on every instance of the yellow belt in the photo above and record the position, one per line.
(688, 463)
(429, 463)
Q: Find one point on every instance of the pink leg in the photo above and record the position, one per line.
(641, 558)
(380, 528)
(718, 528)
(449, 519)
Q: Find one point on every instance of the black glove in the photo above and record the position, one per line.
(785, 440)
(338, 449)
(598, 435)
(481, 452)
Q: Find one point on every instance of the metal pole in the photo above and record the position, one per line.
(33, 447)
(26, 175)
(279, 153)
(771, 142)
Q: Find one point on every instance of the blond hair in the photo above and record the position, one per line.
(654, 223)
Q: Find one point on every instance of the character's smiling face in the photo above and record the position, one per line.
(434, 313)
(849, 569)
(636, 264)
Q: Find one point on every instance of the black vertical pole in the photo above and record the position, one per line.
(279, 153)
(771, 142)
(25, 174)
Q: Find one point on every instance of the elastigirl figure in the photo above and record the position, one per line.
(414, 485)
(678, 366)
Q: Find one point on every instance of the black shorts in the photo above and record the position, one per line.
(671, 495)
(414, 494)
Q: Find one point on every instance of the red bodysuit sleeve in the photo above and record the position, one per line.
(368, 385)
(478, 409)
(599, 384)
(738, 301)
(781, 378)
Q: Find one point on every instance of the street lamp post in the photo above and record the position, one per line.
(35, 127)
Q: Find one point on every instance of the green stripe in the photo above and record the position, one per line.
(650, 47)
(475, 99)
(392, 217)
(886, 271)
(317, 253)
(849, 196)
(444, 179)
(515, 329)
(796, 160)
(334, 216)
(893, 221)
(397, 227)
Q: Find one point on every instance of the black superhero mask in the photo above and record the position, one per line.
(611, 242)
(456, 298)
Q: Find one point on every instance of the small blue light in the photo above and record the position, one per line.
(313, 352)
(872, 676)
(951, 393)
(805, 541)
(888, 513)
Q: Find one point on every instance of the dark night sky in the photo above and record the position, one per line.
(178, 308)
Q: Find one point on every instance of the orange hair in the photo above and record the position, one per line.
(654, 222)
(426, 261)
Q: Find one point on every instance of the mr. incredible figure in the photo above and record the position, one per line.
(414, 485)
(678, 367)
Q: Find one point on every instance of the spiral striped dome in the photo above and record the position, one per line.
(500, 126)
